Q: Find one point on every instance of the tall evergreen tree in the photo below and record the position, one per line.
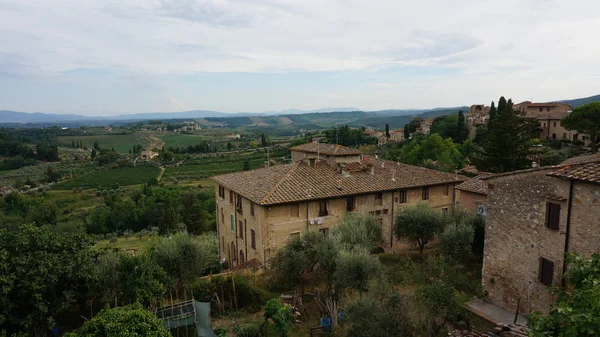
(463, 131)
(493, 111)
(96, 146)
(387, 130)
(506, 143)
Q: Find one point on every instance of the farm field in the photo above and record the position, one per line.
(121, 143)
(109, 177)
(37, 172)
(180, 140)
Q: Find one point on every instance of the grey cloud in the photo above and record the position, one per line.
(429, 45)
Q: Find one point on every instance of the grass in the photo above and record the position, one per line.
(180, 140)
(127, 243)
(121, 143)
(109, 177)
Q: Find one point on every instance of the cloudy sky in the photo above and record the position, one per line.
(103, 57)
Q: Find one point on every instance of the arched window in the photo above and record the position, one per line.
(554, 136)
(242, 259)
(565, 135)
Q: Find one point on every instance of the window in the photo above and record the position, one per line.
(251, 208)
(311, 162)
(241, 229)
(238, 203)
(295, 210)
(554, 136)
(575, 136)
(565, 135)
(324, 231)
(403, 196)
(378, 198)
(378, 212)
(541, 109)
(350, 204)
(221, 192)
(231, 197)
(222, 217)
(554, 124)
(295, 236)
(252, 238)
(546, 273)
(385, 211)
(232, 223)
(425, 193)
(446, 190)
(323, 209)
(445, 210)
(552, 215)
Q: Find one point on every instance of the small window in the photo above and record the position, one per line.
(554, 136)
(241, 229)
(546, 273)
(425, 193)
(403, 196)
(385, 211)
(350, 204)
(554, 124)
(252, 238)
(311, 162)
(446, 190)
(445, 210)
(238, 203)
(221, 192)
(323, 209)
(378, 212)
(552, 215)
(324, 231)
(231, 197)
(541, 109)
(295, 210)
(251, 208)
(378, 198)
(232, 223)
(295, 236)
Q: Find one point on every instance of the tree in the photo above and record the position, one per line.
(423, 150)
(370, 317)
(358, 231)
(229, 146)
(96, 146)
(506, 143)
(131, 321)
(279, 314)
(42, 274)
(185, 257)
(462, 130)
(456, 241)
(493, 111)
(418, 223)
(586, 120)
(247, 164)
(577, 312)
(387, 130)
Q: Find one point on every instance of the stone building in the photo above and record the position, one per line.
(478, 115)
(535, 217)
(397, 135)
(425, 126)
(472, 194)
(259, 210)
(548, 116)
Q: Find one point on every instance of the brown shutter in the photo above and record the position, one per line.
(552, 215)
(546, 271)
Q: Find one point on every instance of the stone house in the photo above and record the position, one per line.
(472, 193)
(548, 116)
(534, 217)
(259, 210)
(374, 133)
(425, 126)
(478, 115)
(397, 135)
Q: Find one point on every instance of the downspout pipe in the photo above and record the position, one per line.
(568, 232)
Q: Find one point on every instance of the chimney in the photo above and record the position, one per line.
(339, 184)
(393, 175)
(373, 169)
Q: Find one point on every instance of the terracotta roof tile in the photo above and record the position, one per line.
(585, 172)
(476, 184)
(326, 149)
(300, 182)
(590, 158)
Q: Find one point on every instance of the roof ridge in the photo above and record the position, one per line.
(272, 190)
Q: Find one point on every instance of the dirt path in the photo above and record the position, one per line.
(162, 170)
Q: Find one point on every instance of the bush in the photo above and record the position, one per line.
(249, 330)
(368, 318)
(456, 241)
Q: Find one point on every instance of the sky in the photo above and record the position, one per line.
(107, 57)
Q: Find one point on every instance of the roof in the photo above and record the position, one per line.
(510, 173)
(553, 114)
(590, 158)
(326, 149)
(300, 182)
(589, 172)
(476, 184)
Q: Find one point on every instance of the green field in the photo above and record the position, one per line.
(109, 177)
(180, 140)
(121, 143)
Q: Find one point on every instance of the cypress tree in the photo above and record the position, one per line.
(387, 130)
(462, 133)
(493, 111)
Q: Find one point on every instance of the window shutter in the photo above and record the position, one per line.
(232, 223)
(546, 271)
(552, 215)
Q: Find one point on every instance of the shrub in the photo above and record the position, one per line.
(248, 295)
(456, 241)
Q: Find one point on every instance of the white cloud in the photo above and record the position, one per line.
(519, 45)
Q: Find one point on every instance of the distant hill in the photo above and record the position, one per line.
(581, 101)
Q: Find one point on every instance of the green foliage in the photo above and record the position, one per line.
(446, 127)
(505, 146)
(279, 314)
(42, 273)
(418, 224)
(586, 120)
(423, 149)
(412, 126)
(356, 268)
(130, 321)
(358, 231)
(247, 295)
(577, 312)
(346, 136)
(456, 241)
(368, 317)
(436, 304)
(248, 330)
(108, 177)
(185, 257)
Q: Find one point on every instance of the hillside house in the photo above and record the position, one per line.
(397, 135)
(472, 193)
(478, 115)
(548, 116)
(534, 217)
(259, 210)
(425, 126)
(374, 133)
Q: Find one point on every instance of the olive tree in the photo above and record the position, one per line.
(418, 224)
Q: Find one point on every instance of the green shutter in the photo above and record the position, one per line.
(232, 223)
